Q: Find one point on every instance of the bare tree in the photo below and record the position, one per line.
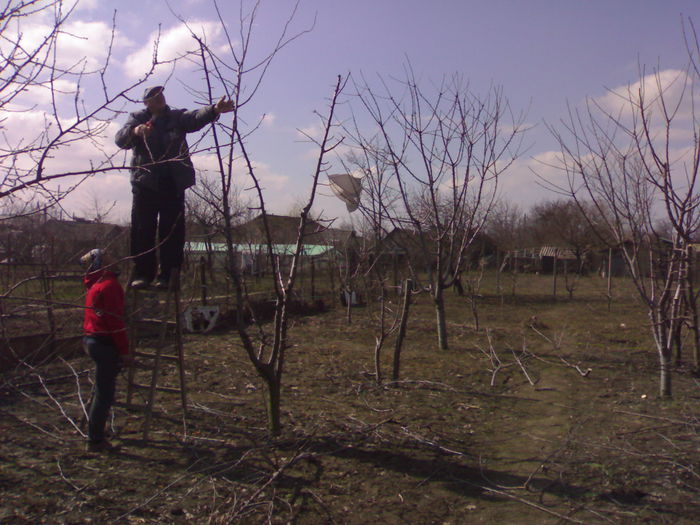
(446, 149)
(563, 224)
(96, 208)
(375, 260)
(508, 226)
(625, 160)
(268, 357)
(32, 164)
(235, 74)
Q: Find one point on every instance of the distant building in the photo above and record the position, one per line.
(283, 230)
(34, 240)
(540, 259)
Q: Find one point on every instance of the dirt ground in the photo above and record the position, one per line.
(549, 413)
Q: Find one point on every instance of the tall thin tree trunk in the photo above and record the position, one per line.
(692, 301)
(439, 300)
(48, 295)
(348, 306)
(663, 346)
(313, 280)
(609, 289)
(676, 324)
(203, 279)
(395, 269)
(408, 284)
(379, 340)
(665, 373)
(331, 276)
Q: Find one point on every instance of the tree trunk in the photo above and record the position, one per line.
(676, 324)
(203, 279)
(48, 295)
(609, 288)
(475, 310)
(408, 284)
(331, 276)
(458, 286)
(312, 268)
(395, 269)
(665, 372)
(439, 299)
(663, 346)
(692, 302)
(379, 340)
(498, 276)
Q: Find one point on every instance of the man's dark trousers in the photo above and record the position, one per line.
(163, 212)
(106, 357)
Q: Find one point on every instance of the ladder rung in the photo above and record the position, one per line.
(156, 335)
(161, 388)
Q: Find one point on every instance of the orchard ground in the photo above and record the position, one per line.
(549, 413)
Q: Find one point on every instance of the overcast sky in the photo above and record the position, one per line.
(544, 54)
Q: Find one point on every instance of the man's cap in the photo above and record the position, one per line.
(152, 92)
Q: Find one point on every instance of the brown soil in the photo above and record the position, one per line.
(443, 445)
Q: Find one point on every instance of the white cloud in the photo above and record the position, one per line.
(312, 131)
(276, 187)
(80, 45)
(526, 180)
(82, 155)
(86, 42)
(173, 44)
(41, 95)
(102, 190)
(671, 86)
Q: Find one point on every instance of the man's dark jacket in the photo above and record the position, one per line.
(166, 148)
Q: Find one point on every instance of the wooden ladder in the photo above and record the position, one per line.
(152, 351)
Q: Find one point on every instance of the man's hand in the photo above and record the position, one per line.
(143, 130)
(224, 105)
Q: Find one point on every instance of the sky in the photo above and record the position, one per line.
(544, 54)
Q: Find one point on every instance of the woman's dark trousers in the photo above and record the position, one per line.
(106, 357)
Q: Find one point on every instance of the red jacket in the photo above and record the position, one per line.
(104, 308)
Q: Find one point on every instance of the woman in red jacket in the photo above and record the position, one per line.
(105, 339)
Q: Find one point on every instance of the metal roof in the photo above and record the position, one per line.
(311, 250)
(559, 253)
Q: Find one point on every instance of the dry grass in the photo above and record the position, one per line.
(548, 414)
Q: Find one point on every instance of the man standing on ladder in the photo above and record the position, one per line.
(161, 171)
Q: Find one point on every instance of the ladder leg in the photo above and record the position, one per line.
(178, 335)
(163, 313)
(156, 367)
(134, 306)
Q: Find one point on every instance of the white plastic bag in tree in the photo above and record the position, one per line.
(347, 188)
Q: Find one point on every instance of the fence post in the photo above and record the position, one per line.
(554, 274)
(48, 296)
(203, 278)
(313, 279)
